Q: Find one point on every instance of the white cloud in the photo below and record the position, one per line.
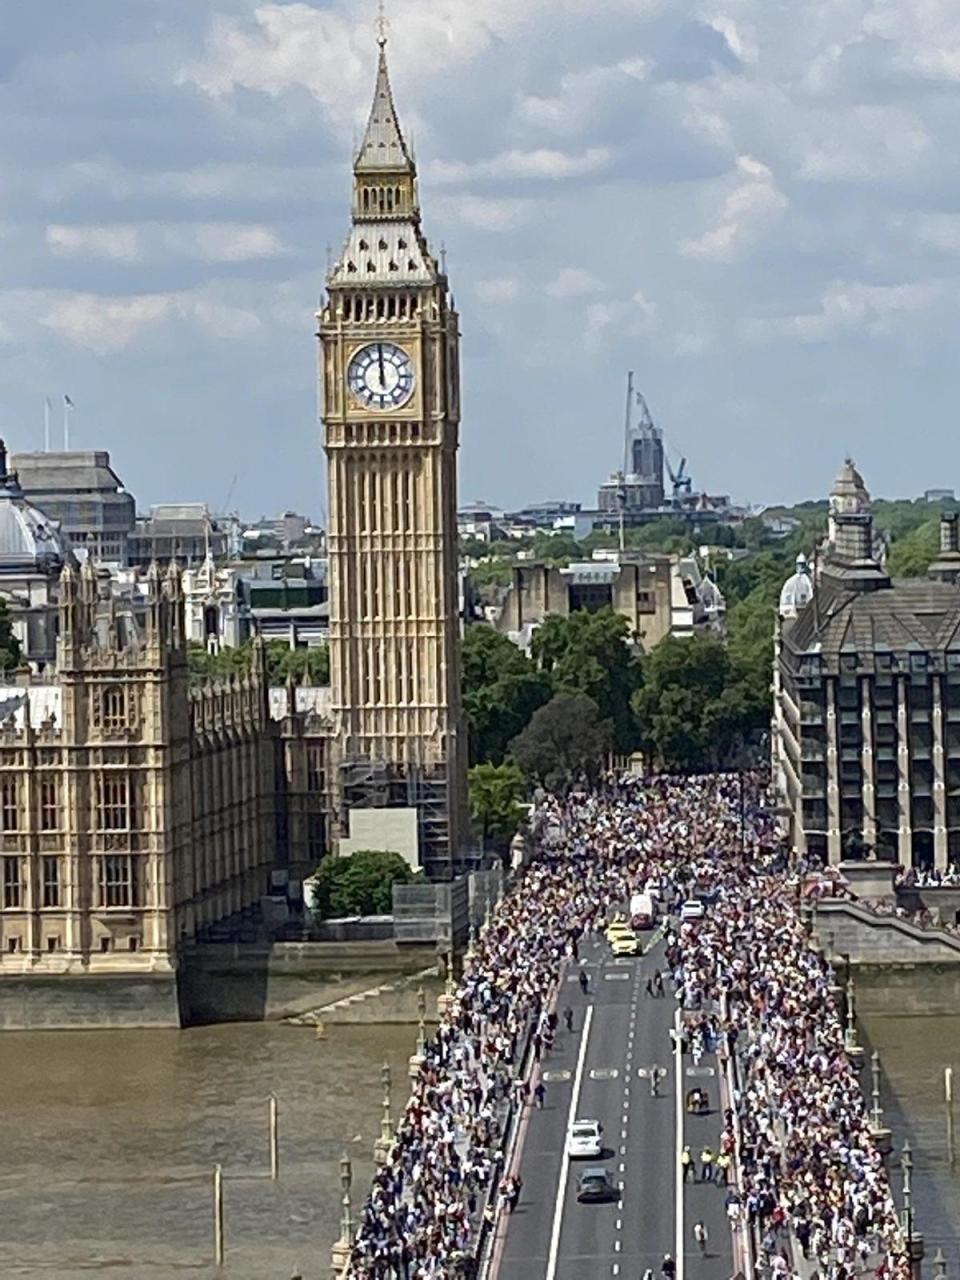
(483, 214)
(327, 51)
(850, 307)
(574, 282)
(211, 242)
(114, 243)
(502, 289)
(940, 231)
(867, 143)
(741, 41)
(634, 317)
(543, 163)
(106, 325)
(746, 211)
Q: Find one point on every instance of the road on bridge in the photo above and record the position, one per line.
(600, 1071)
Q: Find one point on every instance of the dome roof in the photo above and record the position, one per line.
(28, 538)
(797, 591)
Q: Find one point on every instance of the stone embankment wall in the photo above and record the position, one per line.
(847, 929)
(81, 1001)
(222, 983)
(238, 984)
(393, 1002)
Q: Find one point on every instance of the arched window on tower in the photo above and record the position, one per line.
(113, 708)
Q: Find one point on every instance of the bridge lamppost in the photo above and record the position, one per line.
(940, 1265)
(882, 1137)
(418, 1058)
(855, 1052)
(340, 1258)
(381, 1148)
(915, 1249)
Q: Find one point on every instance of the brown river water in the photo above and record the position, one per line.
(108, 1140)
(913, 1053)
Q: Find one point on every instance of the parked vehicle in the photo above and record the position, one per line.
(642, 911)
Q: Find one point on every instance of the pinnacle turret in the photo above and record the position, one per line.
(383, 149)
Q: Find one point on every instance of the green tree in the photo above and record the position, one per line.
(910, 556)
(501, 691)
(360, 884)
(589, 653)
(566, 740)
(311, 662)
(9, 644)
(684, 718)
(495, 794)
(204, 665)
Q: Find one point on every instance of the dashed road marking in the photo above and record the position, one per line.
(616, 977)
(557, 1075)
(604, 1073)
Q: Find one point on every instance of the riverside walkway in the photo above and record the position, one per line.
(744, 974)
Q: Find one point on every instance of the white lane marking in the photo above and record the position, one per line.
(678, 1063)
(619, 1224)
(616, 1268)
(623, 1168)
(565, 1163)
(617, 1246)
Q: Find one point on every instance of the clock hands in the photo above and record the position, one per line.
(383, 374)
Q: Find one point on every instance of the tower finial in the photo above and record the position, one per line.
(383, 25)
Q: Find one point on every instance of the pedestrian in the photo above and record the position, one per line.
(539, 1093)
(658, 983)
(649, 987)
(654, 1080)
(721, 1168)
(584, 981)
(706, 1165)
(568, 1018)
(701, 1236)
(668, 1268)
(688, 1166)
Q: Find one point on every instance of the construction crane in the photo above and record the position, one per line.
(682, 483)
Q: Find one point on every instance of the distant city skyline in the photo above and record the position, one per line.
(754, 208)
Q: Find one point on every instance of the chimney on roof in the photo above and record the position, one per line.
(950, 532)
(946, 567)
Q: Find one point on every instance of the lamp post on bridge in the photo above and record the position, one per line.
(381, 1148)
(882, 1137)
(340, 1255)
(418, 1058)
(915, 1248)
(855, 1052)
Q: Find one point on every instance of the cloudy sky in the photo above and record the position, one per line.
(755, 204)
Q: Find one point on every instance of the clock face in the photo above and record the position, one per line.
(381, 376)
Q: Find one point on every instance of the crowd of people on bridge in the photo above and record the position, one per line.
(798, 1147)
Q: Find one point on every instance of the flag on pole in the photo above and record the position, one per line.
(68, 402)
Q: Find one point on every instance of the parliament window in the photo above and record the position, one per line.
(113, 708)
(12, 884)
(51, 882)
(49, 803)
(117, 888)
(314, 767)
(115, 807)
(10, 803)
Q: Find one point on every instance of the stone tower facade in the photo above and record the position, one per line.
(391, 410)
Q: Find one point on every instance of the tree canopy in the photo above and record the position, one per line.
(360, 884)
(283, 662)
(565, 741)
(495, 794)
(501, 690)
(588, 653)
(9, 644)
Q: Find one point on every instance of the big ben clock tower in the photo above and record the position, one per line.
(391, 411)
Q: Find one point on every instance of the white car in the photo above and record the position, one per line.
(693, 909)
(584, 1141)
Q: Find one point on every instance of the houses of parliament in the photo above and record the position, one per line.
(140, 810)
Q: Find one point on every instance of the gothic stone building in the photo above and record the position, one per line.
(867, 696)
(389, 338)
(136, 812)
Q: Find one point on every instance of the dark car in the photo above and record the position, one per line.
(595, 1184)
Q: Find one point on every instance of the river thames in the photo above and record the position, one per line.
(109, 1140)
